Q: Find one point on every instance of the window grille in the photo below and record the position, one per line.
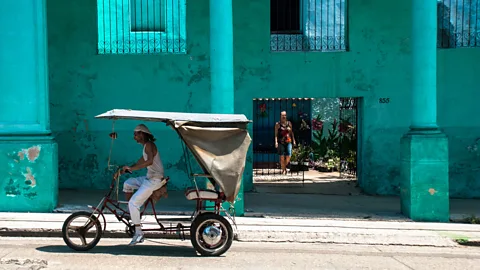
(141, 26)
(308, 25)
(458, 23)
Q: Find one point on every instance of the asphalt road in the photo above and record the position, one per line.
(52, 253)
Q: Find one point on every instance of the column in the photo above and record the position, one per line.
(424, 149)
(29, 181)
(221, 56)
(221, 67)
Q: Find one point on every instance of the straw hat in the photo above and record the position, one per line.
(143, 128)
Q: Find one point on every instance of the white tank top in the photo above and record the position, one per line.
(154, 171)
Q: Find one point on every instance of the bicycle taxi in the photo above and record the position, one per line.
(219, 143)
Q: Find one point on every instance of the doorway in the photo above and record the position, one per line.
(324, 161)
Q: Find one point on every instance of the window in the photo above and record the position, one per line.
(141, 26)
(285, 17)
(148, 15)
(458, 23)
(308, 25)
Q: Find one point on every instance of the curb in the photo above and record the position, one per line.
(347, 238)
(327, 237)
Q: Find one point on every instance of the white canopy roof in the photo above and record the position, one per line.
(174, 116)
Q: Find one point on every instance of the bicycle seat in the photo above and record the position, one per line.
(161, 192)
(203, 194)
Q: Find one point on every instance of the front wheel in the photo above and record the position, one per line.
(80, 223)
(211, 234)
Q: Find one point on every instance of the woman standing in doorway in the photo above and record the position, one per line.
(283, 140)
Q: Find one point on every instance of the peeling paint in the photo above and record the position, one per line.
(32, 153)
(30, 178)
(12, 189)
(202, 72)
(86, 124)
(31, 195)
(432, 191)
(189, 105)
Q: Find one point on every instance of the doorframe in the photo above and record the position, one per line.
(360, 125)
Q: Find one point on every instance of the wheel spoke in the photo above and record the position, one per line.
(89, 225)
(83, 239)
(75, 228)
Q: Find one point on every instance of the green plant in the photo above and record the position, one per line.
(333, 163)
(323, 146)
(347, 139)
(294, 156)
(339, 145)
(472, 220)
(304, 153)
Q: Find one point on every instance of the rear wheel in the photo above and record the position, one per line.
(86, 227)
(211, 234)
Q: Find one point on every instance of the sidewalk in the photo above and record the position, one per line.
(286, 218)
(274, 205)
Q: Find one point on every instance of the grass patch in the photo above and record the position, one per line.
(472, 220)
(468, 220)
(461, 239)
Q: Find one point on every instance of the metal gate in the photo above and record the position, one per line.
(347, 140)
(266, 112)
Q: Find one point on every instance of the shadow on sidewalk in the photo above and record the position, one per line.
(155, 248)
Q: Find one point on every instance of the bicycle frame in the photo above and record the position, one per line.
(114, 206)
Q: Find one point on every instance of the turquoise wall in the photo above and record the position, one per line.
(28, 155)
(377, 65)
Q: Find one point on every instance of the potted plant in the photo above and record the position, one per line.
(294, 160)
(304, 156)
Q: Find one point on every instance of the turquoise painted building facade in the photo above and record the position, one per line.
(55, 78)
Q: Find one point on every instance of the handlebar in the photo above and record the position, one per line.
(117, 174)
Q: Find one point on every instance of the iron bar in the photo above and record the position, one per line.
(458, 23)
(141, 26)
(309, 25)
(347, 148)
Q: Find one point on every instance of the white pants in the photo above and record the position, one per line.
(145, 188)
